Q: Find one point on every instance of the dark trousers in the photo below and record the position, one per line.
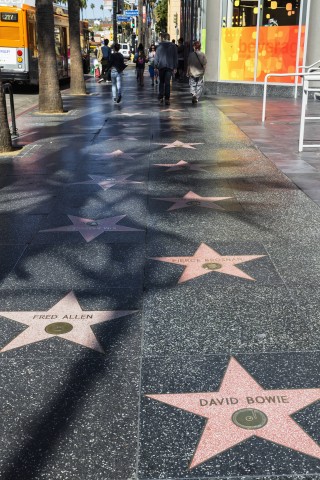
(165, 75)
(106, 73)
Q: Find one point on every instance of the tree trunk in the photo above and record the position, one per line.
(50, 100)
(5, 137)
(77, 85)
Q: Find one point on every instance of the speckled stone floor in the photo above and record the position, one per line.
(159, 296)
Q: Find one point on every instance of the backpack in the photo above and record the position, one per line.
(141, 61)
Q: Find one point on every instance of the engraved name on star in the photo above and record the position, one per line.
(182, 165)
(90, 228)
(65, 319)
(242, 409)
(106, 182)
(191, 199)
(206, 260)
(178, 144)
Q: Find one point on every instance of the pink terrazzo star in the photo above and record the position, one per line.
(178, 144)
(206, 260)
(191, 199)
(242, 409)
(134, 114)
(182, 165)
(171, 110)
(65, 319)
(90, 228)
(106, 182)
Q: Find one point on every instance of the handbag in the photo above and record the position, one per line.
(199, 59)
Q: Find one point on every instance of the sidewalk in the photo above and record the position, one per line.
(278, 138)
(159, 297)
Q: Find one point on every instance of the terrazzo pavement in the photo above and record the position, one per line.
(124, 339)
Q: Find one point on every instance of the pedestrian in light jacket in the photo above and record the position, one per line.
(197, 63)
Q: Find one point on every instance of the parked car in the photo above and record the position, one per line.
(125, 50)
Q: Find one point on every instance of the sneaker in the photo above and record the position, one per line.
(194, 99)
(167, 102)
(100, 80)
(152, 84)
(114, 100)
(119, 99)
(160, 101)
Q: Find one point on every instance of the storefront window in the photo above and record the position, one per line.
(280, 12)
(240, 13)
(238, 39)
(260, 37)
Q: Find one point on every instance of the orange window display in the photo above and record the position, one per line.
(237, 55)
(278, 52)
(260, 37)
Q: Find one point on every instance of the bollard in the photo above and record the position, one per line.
(7, 87)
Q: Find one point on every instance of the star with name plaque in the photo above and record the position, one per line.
(182, 165)
(118, 154)
(242, 409)
(90, 228)
(134, 114)
(191, 199)
(65, 320)
(178, 144)
(106, 182)
(206, 260)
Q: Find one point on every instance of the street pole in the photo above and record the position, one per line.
(139, 19)
(114, 21)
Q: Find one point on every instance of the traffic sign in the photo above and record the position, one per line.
(122, 18)
(131, 13)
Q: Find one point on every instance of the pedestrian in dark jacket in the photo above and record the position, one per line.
(103, 56)
(117, 66)
(166, 62)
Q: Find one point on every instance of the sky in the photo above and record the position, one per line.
(96, 13)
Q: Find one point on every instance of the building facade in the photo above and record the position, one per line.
(174, 18)
(246, 39)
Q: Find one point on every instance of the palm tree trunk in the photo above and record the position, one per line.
(77, 85)
(5, 137)
(50, 100)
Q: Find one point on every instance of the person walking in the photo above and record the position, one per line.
(151, 55)
(140, 65)
(166, 62)
(117, 66)
(104, 54)
(197, 62)
(181, 49)
(135, 58)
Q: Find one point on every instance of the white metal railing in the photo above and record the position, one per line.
(312, 75)
(307, 70)
(309, 73)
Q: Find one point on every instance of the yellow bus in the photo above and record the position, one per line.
(18, 42)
